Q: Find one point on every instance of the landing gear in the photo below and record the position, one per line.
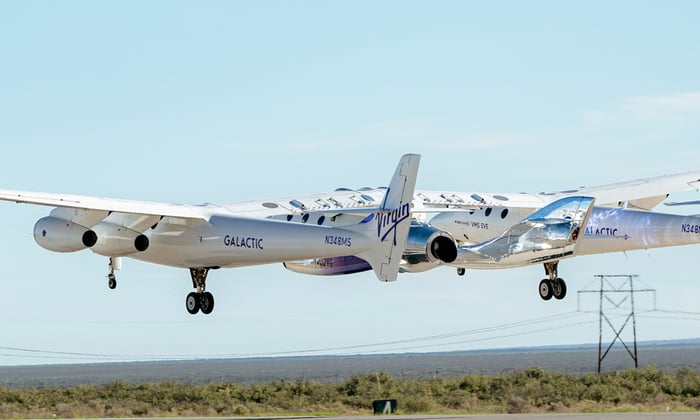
(192, 303)
(199, 300)
(115, 263)
(461, 271)
(111, 281)
(206, 303)
(554, 285)
(546, 287)
(559, 289)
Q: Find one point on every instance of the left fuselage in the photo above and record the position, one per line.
(226, 241)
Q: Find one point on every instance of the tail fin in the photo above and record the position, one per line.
(394, 220)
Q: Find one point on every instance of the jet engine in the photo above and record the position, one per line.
(61, 235)
(116, 240)
(427, 247)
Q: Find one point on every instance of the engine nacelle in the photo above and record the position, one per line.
(60, 235)
(117, 241)
(427, 247)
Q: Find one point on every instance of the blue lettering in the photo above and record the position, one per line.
(338, 240)
(600, 231)
(243, 242)
(388, 222)
(688, 228)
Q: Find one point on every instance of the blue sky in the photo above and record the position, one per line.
(191, 102)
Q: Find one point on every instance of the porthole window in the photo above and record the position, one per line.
(487, 213)
(321, 220)
(504, 213)
(289, 217)
(305, 218)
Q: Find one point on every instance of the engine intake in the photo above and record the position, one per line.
(427, 247)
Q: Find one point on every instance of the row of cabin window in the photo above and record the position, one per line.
(305, 218)
(488, 210)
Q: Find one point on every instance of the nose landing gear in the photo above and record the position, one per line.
(115, 263)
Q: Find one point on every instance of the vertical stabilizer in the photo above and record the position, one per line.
(394, 220)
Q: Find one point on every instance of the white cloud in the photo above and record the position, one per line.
(680, 108)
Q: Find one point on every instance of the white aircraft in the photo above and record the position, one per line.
(204, 237)
(492, 231)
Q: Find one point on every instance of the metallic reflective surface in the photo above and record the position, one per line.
(553, 232)
(426, 247)
(330, 266)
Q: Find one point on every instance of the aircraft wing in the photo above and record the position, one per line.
(643, 194)
(97, 204)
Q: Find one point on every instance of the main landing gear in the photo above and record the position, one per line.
(199, 300)
(554, 285)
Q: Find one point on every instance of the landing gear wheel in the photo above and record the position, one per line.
(546, 289)
(192, 303)
(112, 281)
(200, 300)
(559, 289)
(461, 271)
(206, 303)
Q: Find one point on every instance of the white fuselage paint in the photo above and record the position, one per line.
(618, 229)
(227, 241)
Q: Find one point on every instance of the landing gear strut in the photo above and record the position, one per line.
(554, 285)
(115, 263)
(200, 300)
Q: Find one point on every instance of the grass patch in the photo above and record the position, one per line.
(532, 390)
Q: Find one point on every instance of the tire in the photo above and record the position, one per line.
(559, 292)
(546, 289)
(206, 303)
(112, 281)
(192, 303)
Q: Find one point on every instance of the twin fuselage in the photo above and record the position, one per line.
(225, 240)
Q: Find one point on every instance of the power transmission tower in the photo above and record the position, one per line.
(617, 293)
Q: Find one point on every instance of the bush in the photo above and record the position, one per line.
(530, 390)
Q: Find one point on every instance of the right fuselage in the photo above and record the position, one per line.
(609, 229)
